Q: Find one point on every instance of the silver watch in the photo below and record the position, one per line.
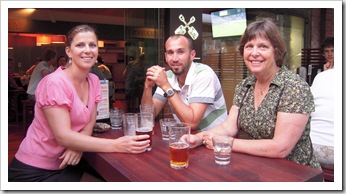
(170, 92)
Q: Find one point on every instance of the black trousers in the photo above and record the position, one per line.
(20, 172)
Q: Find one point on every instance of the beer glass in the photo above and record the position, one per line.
(145, 127)
(145, 108)
(179, 144)
(130, 122)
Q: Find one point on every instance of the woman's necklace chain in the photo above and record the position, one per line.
(262, 91)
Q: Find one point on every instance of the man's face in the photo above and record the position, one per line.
(178, 55)
(329, 54)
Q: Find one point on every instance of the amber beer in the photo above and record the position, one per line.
(146, 131)
(179, 152)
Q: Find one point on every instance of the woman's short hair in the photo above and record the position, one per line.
(268, 30)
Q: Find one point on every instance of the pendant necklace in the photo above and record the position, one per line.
(261, 91)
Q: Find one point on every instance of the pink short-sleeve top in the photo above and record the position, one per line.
(39, 148)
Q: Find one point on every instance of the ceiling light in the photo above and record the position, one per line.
(100, 44)
(43, 39)
(58, 39)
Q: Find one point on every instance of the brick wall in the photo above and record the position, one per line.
(315, 28)
(322, 26)
(329, 22)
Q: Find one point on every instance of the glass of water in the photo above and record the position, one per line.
(116, 117)
(222, 149)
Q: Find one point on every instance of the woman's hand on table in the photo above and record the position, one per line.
(195, 140)
(132, 144)
(207, 140)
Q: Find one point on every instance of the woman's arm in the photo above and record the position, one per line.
(71, 156)
(288, 130)
(59, 122)
(227, 128)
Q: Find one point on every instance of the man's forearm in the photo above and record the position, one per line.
(147, 97)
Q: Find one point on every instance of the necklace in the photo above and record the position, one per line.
(262, 91)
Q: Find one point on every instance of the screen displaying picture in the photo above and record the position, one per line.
(230, 22)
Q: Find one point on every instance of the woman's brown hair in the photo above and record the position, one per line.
(268, 30)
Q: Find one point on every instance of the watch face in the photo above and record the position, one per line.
(169, 93)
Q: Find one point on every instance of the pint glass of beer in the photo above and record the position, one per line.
(145, 108)
(179, 138)
(145, 127)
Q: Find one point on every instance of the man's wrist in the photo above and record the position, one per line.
(169, 92)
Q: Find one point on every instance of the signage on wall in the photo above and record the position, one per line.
(191, 30)
(143, 33)
(103, 105)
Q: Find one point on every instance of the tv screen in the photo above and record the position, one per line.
(229, 22)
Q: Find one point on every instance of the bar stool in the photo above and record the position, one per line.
(14, 106)
(28, 112)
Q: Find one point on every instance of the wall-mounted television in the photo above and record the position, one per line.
(229, 22)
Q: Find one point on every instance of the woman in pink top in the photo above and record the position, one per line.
(65, 113)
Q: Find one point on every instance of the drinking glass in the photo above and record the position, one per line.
(222, 149)
(144, 126)
(130, 123)
(145, 108)
(165, 125)
(179, 144)
(116, 117)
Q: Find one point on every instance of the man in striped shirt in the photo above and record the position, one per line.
(192, 90)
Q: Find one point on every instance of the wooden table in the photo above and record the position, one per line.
(154, 166)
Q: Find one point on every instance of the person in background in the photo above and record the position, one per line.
(134, 74)
(103, 68)
(31, 69)
(322, 120)
(14, 99)
(192, 90)
(103, 74)
(272, 105)
(328, 52)
(108, 75)
(12, 84)
(95, 70)
(42, 69)
(65, 114)
(61, 61)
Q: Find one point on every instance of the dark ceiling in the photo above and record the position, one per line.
(112, 16)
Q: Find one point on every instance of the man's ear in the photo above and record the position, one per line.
(193, 54)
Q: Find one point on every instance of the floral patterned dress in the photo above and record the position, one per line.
(287, 93)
